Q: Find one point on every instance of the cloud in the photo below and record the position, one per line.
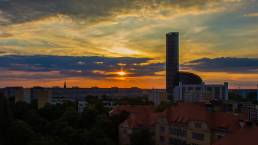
(45, 67)
(224, 64)
(25, 10)
(255, 14)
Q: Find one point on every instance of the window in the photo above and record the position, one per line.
(209, 89)
(217, 92)
(198, 88)
(219, 136)
(162, 139)
(162, 129)
(177, 131)
(176, 141)
(198, 136)
(198, 125)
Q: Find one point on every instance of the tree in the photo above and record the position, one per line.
(72, 118)
(95, 136)
(5, 115)
(141, 136)
(20, 108)
(19, 133)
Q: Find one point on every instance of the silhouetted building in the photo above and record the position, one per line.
(172, 62)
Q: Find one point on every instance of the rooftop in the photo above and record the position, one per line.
(244, 136)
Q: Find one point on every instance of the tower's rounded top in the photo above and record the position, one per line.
(173, 33)
(189, 78)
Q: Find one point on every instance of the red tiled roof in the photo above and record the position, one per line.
(140, 115)
(146, 119)
(225, 120)
(180, 113)
(244, 136)
(185, 112)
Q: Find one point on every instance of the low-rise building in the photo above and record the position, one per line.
(156, 96)
(42, 95)
(249, 108)
(201, 92)
(14, 93)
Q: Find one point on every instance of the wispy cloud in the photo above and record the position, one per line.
(26, 10)
(45, 67)
(224, 64)
(255, 14)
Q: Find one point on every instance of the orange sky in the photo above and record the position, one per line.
(213, 29)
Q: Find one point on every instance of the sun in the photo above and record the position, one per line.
(121, 73)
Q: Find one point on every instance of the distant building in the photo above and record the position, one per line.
(14, 93)
(245, 93)
(57, 95)
(251, 109)
(41, 95)
(27, 95)
(201, 92)
(156, 96)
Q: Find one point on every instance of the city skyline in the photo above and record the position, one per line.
(110, 43)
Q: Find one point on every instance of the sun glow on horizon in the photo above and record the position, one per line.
(121, 73)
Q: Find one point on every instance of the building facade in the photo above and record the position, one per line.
(201, 93)
(193, 124)
(250, 109)
(182, 124)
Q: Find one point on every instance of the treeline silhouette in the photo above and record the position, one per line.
(61, 124)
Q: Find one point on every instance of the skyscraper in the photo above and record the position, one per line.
(172, 62)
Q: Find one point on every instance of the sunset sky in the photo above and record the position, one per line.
(121, 43)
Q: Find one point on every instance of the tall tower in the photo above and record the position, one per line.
(65, 84)
(172, 62)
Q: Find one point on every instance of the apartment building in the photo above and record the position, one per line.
(182, 124)
(201, 92)
(193, 124)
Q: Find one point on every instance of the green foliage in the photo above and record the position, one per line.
(59, 124)
(5, 117)
(19, 133)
